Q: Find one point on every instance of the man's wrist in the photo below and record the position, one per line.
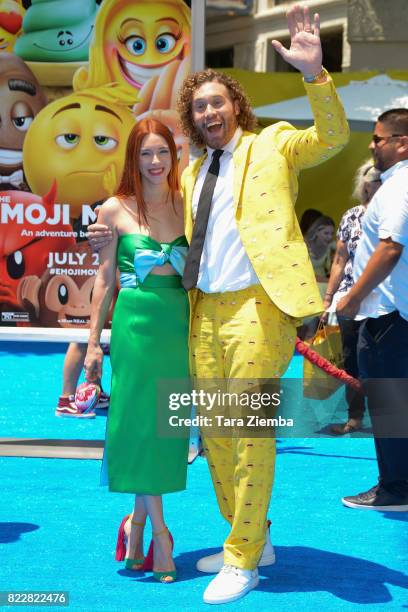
(316, 76)
(353, 298)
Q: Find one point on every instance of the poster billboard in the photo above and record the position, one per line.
(74, 78)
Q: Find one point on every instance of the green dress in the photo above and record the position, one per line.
(149, 344)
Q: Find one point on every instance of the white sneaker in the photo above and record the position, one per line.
(213, 563)
(231, 583)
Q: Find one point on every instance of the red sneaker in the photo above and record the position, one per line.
(103, 400)
(68, 408)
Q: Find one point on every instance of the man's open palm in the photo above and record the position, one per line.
(305, 52)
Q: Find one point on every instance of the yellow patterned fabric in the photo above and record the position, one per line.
(251, 333)
(266, 168)
(240, 335)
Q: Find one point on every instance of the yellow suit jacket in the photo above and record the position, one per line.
(266, 168)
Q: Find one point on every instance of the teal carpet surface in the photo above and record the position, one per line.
(58, 532)
(58, 526)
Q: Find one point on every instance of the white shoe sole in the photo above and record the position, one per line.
(227, 599)
(401, 508)
(90, 415)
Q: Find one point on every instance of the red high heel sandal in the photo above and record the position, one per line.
(146, 564)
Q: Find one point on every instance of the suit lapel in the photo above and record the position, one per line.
(190, 178)
(240, 157)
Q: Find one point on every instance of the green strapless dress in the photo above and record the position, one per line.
(149, 343)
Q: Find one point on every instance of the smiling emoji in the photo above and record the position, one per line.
(135, 42)
(57, 31)
(11, 20)
(21, 100)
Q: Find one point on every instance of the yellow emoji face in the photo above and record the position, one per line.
(83, 139)
(141, 38)
(11, 21)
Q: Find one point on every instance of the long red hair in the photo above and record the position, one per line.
(131, 182)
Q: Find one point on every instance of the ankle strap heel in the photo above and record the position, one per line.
(134, 564)
(169, 576)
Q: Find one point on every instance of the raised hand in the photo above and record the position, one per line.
(305, 52)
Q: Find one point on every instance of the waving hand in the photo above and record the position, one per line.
(305, 52)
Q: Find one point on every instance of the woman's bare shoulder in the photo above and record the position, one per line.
(109, 209)
(111, 204)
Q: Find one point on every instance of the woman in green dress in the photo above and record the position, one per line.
(149, 336)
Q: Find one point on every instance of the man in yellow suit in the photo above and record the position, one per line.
(248, 273)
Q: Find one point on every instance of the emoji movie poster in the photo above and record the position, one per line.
(74, 78)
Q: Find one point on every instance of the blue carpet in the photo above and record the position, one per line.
(58, 530)
(31, 375)
(58, 527)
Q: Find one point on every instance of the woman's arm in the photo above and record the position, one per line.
(337, 272)
(103, 291)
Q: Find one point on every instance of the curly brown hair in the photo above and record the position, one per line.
(246, 118)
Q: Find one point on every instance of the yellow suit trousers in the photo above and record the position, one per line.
(241, 335)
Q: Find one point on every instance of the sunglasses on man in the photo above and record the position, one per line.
(377, 139)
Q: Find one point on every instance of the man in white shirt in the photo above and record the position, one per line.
(249, 276)
(380, 293)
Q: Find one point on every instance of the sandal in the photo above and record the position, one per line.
(352, 425)
(130, 564)
(166, 576)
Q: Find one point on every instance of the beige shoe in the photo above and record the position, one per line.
(340, 429)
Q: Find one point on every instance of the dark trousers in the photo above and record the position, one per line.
(349, 337)
(383, 365)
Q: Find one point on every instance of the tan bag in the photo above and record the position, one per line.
(316, 383)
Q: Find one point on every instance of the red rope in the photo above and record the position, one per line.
(327, 367)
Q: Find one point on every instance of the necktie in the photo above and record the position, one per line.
(192, 267)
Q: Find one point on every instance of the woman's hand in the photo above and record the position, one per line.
(326, 305)
(327, 301)
(93, 363)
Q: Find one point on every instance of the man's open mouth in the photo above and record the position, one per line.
(214, 126)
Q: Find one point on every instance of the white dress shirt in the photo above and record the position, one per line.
(224, 265)
(386, 217)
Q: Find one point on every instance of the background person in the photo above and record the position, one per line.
(380, 294)
(73, 364)
(367, 181)
(309, 216)
(319, 240)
